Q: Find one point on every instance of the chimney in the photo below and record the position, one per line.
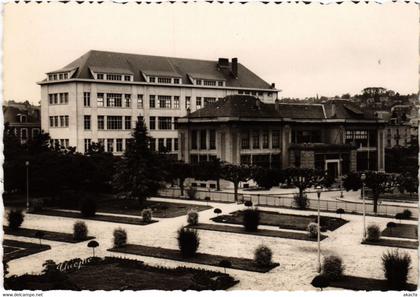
(223, 63)
(277, 105)
(273, 85)
(235, 67)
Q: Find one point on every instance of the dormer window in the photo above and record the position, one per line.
(100, 76)
(164, 80)
(127, 77)
(152, 79)
(114, 77)
(198, 82)
(176, 81)
(220, 83)
(209, 82)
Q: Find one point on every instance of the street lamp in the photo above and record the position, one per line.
(363, 178)
(318, 193)
(27, 185)
(341, 186)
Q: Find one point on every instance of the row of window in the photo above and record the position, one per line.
(262, 160)
(206, 82)
(60, 142)
(125, 123)
(61, 121)
(203, 139)
(23, 132)
(113, 77)
(58, 76)
(199, 158)
(119, 144)
(164, 144)
(257, 139)
(165, 80)
(58, 98)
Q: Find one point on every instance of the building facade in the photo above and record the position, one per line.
(100, 96)
(336, 136)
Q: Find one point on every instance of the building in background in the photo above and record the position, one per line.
(100, 96)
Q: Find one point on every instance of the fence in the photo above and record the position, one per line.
(287, 201)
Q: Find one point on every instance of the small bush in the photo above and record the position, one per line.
(340, 212)
(332, 268)
(251, 219)
(88, 207)
(217, 211)
(188, 242)
(399, 216)
(373, 233)
(406, 214)
(312, 230)
(320, 281)
(36, 204)
(263, 256)
(192, 217)
(191, 193)
(146, 214)
(80, 231)
(301, 201)
(248, 203)
(15, 219)
(396, 266)
(120, 237)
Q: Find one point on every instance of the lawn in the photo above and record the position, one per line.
(97, 217)
(123, 274)
(260, 232)
(283, 221)
(13, 249)
(402, 230)
(405, 244)
(48, 235)
(365, 284)
(199, 258)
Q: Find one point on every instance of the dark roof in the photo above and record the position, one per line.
(244, 106)
(11, 113)
(113, 62)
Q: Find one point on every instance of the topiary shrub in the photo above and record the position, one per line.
(251, 219)
(192, 217)
(301, 201)
(399, 216)
(120, 237)
(80, 231)
(88, 207)
(36, 204)
(191, 193)
(396, 266)
(15, 219)
(225, 264)
(390, 226)
(248, 203)
(217, 211)
(312, 230)
(406, 214)
(320, 281)
(332, 268)
(188, 242)
(263, 256)
(340, 212)
(146, 215)
(373, 233)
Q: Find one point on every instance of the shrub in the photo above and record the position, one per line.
(146, 214)
(6, 269)
(406, 214)
(120, 237)
(191, 193)
(399, 216)
(93, 244)
(312, 230)
(251, 219)
(88, 207)
(373, 233)
(396, 266)
(225, 264)
(340, 212)
(15, 219)
(263, 256)
(192, 217)
(188, 242)
(332, 268)
(320, 281)
(80, 231)
(248, 203)
(217, 211)
(301, 201)
(36, 204)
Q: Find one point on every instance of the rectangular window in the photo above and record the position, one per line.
(101, 122)
(175, 144)
(176, 122)
(165, 123)
(198, 102)
(101, 142)
(119, 145)
(110, 145)
(220, 83)
(176, 102)
(56, 121)
(86, 99)
(161, 144)
(212, 139)
(176, 81)
(245, 140)
(87, 144)
(275, 139)
(127, 122)
(203, 140)
(152, 101)
(198, 81)
(169, 144)
(188, 102)
(209, 82)
(113, 77)
(255, 139)
(24, 134)
(153, 144)
(113, 100)
(86, 122)
(62, 121)
(50, 99)
(100, 99)
(139, 101)
(127, 77)
(114, 122)
(152, 123)
(51, 121)
(194, 139)
(165, 101)
(66, 121)
(265, 137)
(152, 79)
(61, 96)
(100, 76)
(164, 80)
(127, 98)
(208, 100)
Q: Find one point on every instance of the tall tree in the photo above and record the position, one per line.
(181, 171)
(267, 177)
(236, 174)
(209, 170)
(303, 178)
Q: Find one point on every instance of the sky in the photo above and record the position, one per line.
(304, 49)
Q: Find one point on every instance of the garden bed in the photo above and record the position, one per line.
(97, 217)
(283, 221)
(365, 284)
(199, 258)
(123, 274)
(13, 249)
(402, 231)
(405, 244)
(48, 235)
(260, 232)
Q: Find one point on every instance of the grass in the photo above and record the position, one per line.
(199, 258)
(48, 235)
(365, 284)
(124, 274)
(13, 249)
(97, 217)
(402, 230)
(260, 232)
(283, 221)
(405, 244)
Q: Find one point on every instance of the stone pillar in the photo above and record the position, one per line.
(285, 141)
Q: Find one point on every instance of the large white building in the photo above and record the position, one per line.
(100, 96)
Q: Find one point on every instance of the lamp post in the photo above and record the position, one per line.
(341, 186)
(27, 185)
(318, 193)
(363, 178)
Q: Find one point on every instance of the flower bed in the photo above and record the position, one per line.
(48, 235)
(13, 249)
